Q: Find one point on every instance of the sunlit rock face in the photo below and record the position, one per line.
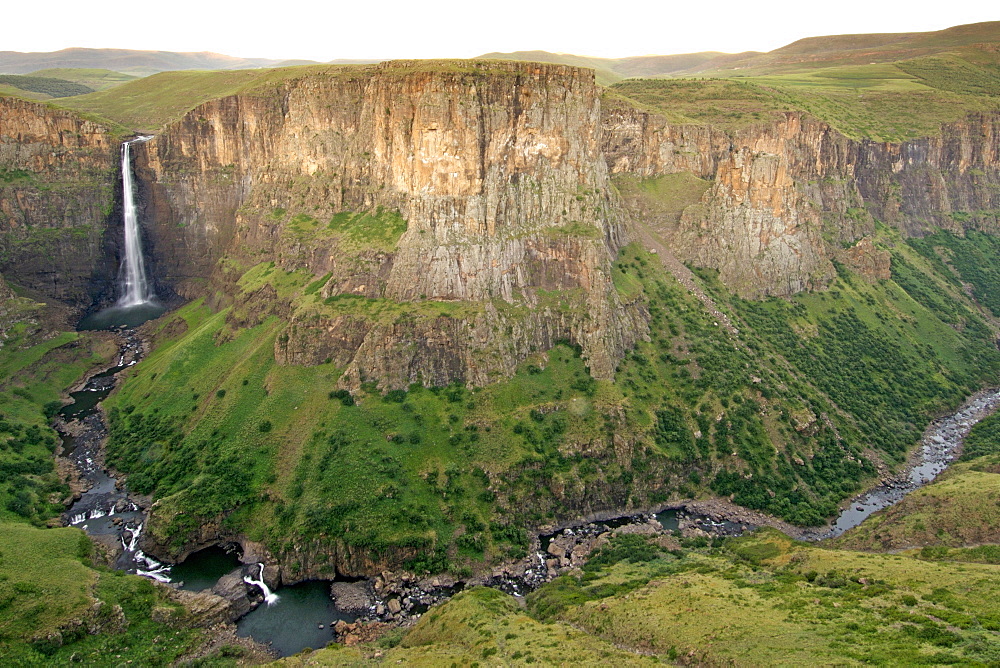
(788, 195)
(57, 182)
(496, 170)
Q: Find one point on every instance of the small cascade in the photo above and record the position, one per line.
(148, 567)
(133, 542)
(134, 285)
(269, 597)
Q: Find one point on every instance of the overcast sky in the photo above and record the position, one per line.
(323, 31)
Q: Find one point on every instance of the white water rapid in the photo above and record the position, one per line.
(269, 597)
(134, 285)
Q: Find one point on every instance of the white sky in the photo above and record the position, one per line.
(323, 31)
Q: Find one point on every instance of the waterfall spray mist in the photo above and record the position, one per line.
(134, 286)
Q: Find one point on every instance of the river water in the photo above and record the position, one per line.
(940, 446)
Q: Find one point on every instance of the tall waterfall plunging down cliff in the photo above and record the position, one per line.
(134, 286)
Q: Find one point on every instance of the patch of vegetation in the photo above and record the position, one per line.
(959, 508)
(983, 439)
(93, 78)
(724, 103)
(884, 101)
(45, 85)
(33, 376)
(55, 608)
(379, 229)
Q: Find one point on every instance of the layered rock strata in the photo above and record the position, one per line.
(787, 195)
(505, 213)
(57, 181)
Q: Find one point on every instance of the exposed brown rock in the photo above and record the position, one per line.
(54, 209)
(872, 263)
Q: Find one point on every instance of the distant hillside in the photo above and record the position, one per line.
(812, 52)
(125, 60)
(94, 79)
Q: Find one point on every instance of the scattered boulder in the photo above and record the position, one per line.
(232, 588)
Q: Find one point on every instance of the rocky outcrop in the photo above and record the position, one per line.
(872, 263)
(58, 173)
(787, 194)
(504, 212)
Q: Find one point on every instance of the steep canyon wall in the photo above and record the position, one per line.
(473, 202)
(788, 196)
(57, 183)
(496, 173)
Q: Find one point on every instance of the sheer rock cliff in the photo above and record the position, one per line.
(57, 177)
(504, 208)
(787, 195)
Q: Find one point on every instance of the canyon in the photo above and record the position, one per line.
(421, 312)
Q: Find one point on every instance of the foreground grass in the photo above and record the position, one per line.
(480, 627)
(764, 600)
(56, 608)
(757, 600)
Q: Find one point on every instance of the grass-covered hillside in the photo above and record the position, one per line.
(56, 606)
(758, 600)
(93, 78)
(957, 518)
(884, 101)
(792, 418)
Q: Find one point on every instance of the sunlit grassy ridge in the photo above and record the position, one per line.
(147, 104)
(94, 78)
(882, 101)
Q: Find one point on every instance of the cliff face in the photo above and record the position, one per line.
(504, 212)
(787, 195)
(57, 178)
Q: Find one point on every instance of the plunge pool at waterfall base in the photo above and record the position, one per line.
(122, 316)
(303, 616)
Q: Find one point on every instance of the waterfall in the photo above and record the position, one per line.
(133, 285)
(270, 598)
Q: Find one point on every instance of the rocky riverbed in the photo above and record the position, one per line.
(941, 444)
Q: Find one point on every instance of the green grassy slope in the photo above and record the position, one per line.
(48, 87)
(450, 477)
(960, 510)
(148, 103)
(763, 600)
(892, 101)
(55, 606)
(479, 627)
